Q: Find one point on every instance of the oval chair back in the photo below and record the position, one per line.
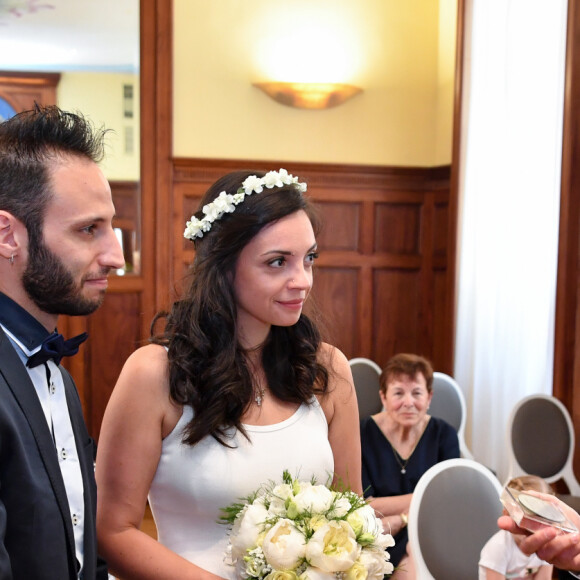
(453, 513)
(541, 440)
(365, 374)
(448, 403)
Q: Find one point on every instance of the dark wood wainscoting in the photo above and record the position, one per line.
(380, 283)
(115, 331)
(381, 278)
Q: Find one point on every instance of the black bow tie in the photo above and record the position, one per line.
(55, 347)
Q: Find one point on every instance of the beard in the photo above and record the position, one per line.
(51, 286)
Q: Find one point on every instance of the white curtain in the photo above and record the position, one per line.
(509, 212)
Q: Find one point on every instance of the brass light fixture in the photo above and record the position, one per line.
(309, 95)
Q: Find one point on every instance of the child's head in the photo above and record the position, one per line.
(526, 482)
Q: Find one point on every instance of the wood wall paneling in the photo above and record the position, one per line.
(381, 278)
(336, 295)
(453, 211)
(115, 331)
(396, 304)
(397, 227)
(340, 226)
(22, 90)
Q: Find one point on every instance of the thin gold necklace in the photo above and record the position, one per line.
(402, 462)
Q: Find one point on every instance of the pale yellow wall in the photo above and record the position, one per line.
(99, 96)
(399, 52)
(446, 80)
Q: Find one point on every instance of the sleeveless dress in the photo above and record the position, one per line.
(191, 484)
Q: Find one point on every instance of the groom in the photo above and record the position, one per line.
(57, 246)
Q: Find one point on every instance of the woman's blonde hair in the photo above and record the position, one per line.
(533, 482)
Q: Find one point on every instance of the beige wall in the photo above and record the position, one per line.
(446, 81)
(100, 97)
(400, 52)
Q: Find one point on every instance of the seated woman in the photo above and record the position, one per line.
(399, 445)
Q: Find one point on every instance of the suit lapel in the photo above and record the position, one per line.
(19, 383)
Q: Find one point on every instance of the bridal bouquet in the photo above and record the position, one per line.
(297, 530)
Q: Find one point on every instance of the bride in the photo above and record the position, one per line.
(238, 388)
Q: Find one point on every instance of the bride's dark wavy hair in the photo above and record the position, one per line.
(208, 368)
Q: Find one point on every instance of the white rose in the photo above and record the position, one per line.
(317, 521)
(314, 574)
(246, 529)
(283, 491)
(313, 499)
(284, 546)
(279, 495)
(333, 547)
(357, 572)
(340, 508)
(282, 575)
(384, 541)
(364, 521)
(376, 563)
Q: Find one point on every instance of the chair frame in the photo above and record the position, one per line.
(370, 363)
(422, 571)
(463, 449)
(567, 471)
(362, 359)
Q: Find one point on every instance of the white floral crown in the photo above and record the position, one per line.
(226, 202)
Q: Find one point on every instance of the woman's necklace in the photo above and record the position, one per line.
(398, 457)
(402, 462)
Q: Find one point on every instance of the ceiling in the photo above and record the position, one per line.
(69, 35)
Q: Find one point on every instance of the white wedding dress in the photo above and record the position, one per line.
(191, 484)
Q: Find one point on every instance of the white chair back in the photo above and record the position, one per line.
(541, 440)
(453, 513)
(366, 374)
(448, 403)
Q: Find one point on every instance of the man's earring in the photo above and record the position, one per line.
(11, 259)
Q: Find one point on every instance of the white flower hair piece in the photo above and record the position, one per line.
(226, 202)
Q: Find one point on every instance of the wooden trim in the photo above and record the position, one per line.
(22, 90)
(156, 145)
(453, 208)
(329, 175)
(565, 347)
(37, 79)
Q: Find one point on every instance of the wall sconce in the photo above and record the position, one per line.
(309, 95)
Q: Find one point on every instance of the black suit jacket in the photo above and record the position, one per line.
(36, 533)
